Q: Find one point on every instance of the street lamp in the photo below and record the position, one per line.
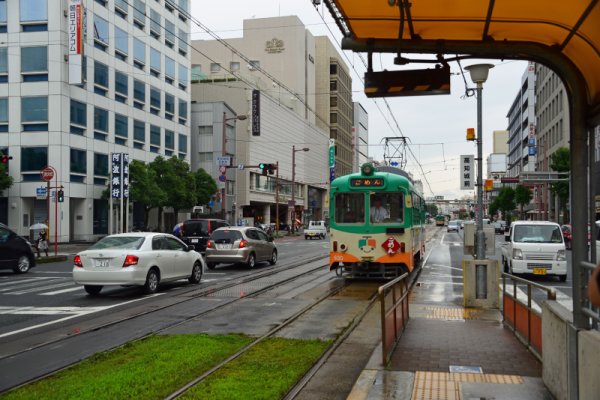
(294, 151)
(479, 74)
(224, 153)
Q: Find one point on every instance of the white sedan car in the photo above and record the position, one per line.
(136, 259)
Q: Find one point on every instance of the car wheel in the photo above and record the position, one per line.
(152, 281)
(273, 259)
(562, 278)
(196, 276)
(211, 265)
(251, 260)
(92, 290)
(23, 265)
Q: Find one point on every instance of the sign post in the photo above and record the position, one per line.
(466, 172)
(331, 160)
(47, 173)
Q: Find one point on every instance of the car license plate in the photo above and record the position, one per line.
(224, 246)
(194, 240)
(539, 271)
(102, 263)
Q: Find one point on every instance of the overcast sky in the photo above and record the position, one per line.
(427, 121)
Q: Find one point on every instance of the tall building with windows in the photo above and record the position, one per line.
(361, 136)
(69, 98)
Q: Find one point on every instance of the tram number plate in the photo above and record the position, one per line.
(539, 271)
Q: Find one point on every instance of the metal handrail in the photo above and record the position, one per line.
(586, 308)
(385, 313)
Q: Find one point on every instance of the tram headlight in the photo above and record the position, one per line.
(343, 247)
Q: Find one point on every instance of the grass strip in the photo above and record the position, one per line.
(151, 368)
(266, 371)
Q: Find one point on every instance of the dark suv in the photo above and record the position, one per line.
(15, 252)
(197, 231)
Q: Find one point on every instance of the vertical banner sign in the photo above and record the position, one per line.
(115, 181)
(75, 27)
(467, 173)
(256, 112)
(331, 160)
(125, 171)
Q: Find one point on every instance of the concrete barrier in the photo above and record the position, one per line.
(555, 320)
(589, 365)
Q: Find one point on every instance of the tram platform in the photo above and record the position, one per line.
(451, 352)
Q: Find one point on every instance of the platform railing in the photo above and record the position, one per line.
(593, 313)
(520, 316)
(393, 297)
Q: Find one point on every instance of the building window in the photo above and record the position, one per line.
(100, 78)
(154, 138)
(3, 114)
(100, 33)
(169, 140)
(139, 53)
(121, 44)
(100, 123)
(333, 118)
(169, 106)
(333, 86)
(333, 69)
(154, 62)
(183, 149)
(182, 111)
(170, 5)
(234, 66)
(155, 23)
(100, 166)
(183, 77)
(254, 64)
(196, 73)
(34, 63)
(3, 64)
(169, 70)
(139, 94)
(100, 216)
(121, 129)
(154, 100)
(139, 134)
(215, 67)
(34, 113)
(139, 14)
(78, 117)
(34, 15)
(33, 159)
(333, 101)
(78, 165)
(183, 42)
(122, 8)
(3, 16)
(169, 33)
(183, 10)
(205, 156)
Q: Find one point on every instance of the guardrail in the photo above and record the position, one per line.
(525, 322)
(593, 313)
(393, 297)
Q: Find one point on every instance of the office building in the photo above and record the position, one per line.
(361, 136)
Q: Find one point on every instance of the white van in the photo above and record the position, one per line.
(535, 247)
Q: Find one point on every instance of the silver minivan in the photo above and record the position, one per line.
(240, 244)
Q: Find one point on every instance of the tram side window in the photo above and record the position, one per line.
(387, 208)
(350, 208)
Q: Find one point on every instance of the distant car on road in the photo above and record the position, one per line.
(136, 259)
(15, 252)
(240, 244)
(315, 229)
(196, 232)
(499, 226)
(453, 226)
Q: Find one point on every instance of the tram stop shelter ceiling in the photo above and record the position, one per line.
(547, 31)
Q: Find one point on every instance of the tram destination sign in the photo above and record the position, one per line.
(366, 182)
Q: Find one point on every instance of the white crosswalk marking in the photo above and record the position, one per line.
(40, 288)
(73, 289)
(26, 284)
(26, 281)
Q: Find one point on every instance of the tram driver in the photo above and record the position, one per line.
(378, 212)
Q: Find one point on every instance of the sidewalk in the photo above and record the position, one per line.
(450, 352)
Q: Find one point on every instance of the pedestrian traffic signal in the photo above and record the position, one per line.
(60, 196)
(267, 168)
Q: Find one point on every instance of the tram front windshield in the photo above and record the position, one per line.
(384, 208)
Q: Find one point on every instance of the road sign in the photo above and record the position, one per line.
(240, 166)
(391, 245)
(224, 160)
(47, 174)
(222, 169)
(222, 178)
(291, 203)
(41, 193)
(509, 180)
(331, 174)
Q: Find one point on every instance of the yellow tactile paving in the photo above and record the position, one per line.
(451, 313)
(446, 385)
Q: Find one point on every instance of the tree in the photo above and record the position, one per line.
(205, 186)
(6, 180)
(506, 202)
(560, 161)
(167, 180)
(522, 196)
(432, 209)
(493, 207)
(144, 188)
(183, 193)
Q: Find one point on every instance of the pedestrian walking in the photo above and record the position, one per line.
(41, 244)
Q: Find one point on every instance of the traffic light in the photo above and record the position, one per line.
(5, 158)
(267, 168)
(60, 196)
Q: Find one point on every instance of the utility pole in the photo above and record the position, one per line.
(293, 188)
(277, 198)
(224, 153)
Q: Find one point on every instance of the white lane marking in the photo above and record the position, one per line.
(433, 283)
(445, 266)
(52, 272)
(40, 288)
(215, 273)
(83, 311)
(26, 281)
(61, 291)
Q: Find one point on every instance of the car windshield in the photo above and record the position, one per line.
(537, 234)
(225, 236)
(195, 228)
(453, 223)
(119, 242)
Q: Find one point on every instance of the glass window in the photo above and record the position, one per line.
(183, 75)
(155, 135)
(122, 4)
(215, 67)
(78, 113)
(100, 164)
(349, 208)
(154, 97)
(100, 74)
(139, 11)
(234, 66)
(196, 72)
(169, 67)
(139, 91)
(101, 29)
(34, 10)
(2, 11)
(183, 41)
(78, 161)
(169, 139)
(139, 131)
(33, 158)
(183, 5)
(169, 31)
(155, 22)
(537, 234)
(182, 143)
(100, 119)
(34, 109)
(121, 83)
(139, 50)
(121, 125)
(169, 104)
(3, 60)
(386, 208)
(121, 41)
(3, 109)
(183, 109)
(154, 59)
(34, 59)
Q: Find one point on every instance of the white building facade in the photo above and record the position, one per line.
(134, 98)
(361, 136)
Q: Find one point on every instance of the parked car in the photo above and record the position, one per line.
(196, 232)
(136, 259)
(240, 244)
(316, 229)
(499, 226)
(15, 251)
(535, 247)
(453, 226)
